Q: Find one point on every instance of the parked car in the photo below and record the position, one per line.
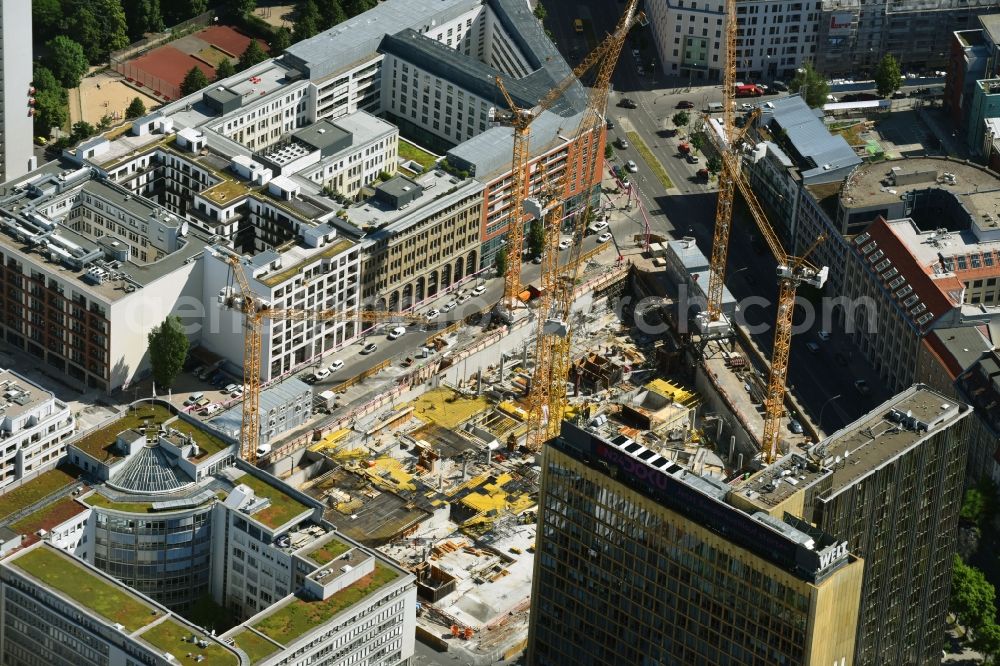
(448, 307)
(230, 388)
(623, 144)
(397, 332)
(463, 298)
(537, 260)
(862, 386)
(321, 374)
(610, 124)
(692, 159)
(604, 238)
(432, 313)
(564, 243)
(369, 348)
(779, 85)
(795, 426)
(479, 290)
(237, 392)
(823, 335)
(193, 399)
(685, 104)
(627, 103)
(336, 365)
(812, 347)
(202, 402)
(211, 410)
(631, 166)
(598, 226)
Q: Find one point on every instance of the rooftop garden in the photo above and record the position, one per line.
(98, 443)
(99, 500)
(328, 552)
(173, 637)
(47, 517)
(63, 574)
(331, 250)
(282, 508)
(207, 442)
(37, 489)
(408, 151)
(226, 192)
(256, 646)
(299, 615)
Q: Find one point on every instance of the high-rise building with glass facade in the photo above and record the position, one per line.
(641, 562)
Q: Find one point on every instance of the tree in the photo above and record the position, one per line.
(83, 130)
(307, 21)
(43, 79)
(697, 141)
(46, 17)
(51, 110)
(66, 60)
(811, 84)
(536, 238)
(224, 69)
(252, 55)
(681, 119)
(609, 152)
(972, 596)
(714, 164)
(540, 12)
(176, 11)
(112, 33)
(240, 9)
(979, 503)
(193, 81)
(887, 76)
(136, 109)
(355, 7)
(168, 348)
(501, 262)
(986, 640)
(282, 40)
(330, 13)
(142, 16)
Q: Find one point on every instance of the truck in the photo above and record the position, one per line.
(749, 90)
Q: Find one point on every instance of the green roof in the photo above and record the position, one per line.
(98, 443)
(282, 275)
(37, 489)
(328, 552)
(256, 646)
(64, 574)
(282, 508)
(173, 637)
(97, 499)
(47, 517)
(299, 616)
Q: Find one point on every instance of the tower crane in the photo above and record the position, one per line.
(255, 310)
(520, 120)
(553, 337)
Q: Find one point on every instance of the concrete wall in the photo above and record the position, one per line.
(714, 401)
(16, 127)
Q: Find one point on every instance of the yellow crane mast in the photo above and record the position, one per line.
(520, 120)
(727, 179)
(553, 337)
(255, 310)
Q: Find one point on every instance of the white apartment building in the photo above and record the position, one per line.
(90, 270)
(321, 273)
(16, 114)
(775, 37)
(34, 427)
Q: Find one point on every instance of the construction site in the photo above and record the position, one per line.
(439, 469)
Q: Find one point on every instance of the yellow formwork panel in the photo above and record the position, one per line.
(674, 392)
(447, 408)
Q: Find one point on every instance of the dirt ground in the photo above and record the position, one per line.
(105, 93)
(278, 15)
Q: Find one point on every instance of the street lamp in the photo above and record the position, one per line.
(823, 408)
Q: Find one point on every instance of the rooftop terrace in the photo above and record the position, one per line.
(286, 273)
(296, 616)
(173, 637)
(282, 508)
(95, 592)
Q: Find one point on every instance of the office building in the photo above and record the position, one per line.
(890, 485)
(853, 35)
(973, 57)
(34, 427)
(17, 156)
(774, 38)
(169, 521)
(980, 386)
(640, 561)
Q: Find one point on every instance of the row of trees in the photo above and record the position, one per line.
(315, 16)
(973, 598)
(196, 79)
(815, 89)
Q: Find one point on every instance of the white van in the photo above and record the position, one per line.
(715, 107)
(263, 449)
(212, 410)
